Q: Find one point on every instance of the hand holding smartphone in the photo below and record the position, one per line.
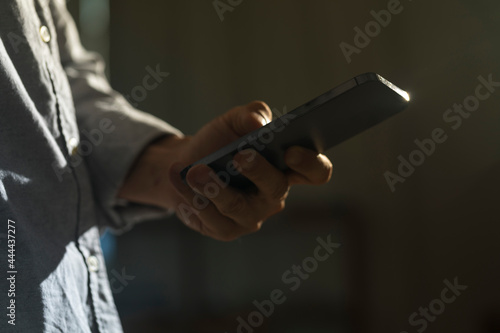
(320, 124)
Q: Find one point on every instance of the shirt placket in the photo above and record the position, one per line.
(70, 140)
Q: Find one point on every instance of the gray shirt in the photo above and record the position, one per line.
(67, 141)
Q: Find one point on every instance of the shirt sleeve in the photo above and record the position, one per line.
(128, 131)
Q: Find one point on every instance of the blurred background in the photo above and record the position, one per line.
(397, 247)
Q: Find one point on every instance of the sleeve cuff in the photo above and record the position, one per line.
(127, 135)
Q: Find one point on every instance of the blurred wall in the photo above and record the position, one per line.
(397, 247)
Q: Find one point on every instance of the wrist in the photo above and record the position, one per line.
(147, 181)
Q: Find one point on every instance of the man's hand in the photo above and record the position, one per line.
(206, 205)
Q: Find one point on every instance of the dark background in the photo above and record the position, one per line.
(397, 248)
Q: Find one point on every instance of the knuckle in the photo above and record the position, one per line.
(233, 207)
(280, 191)
(280, 206)
(235, 109)
(255, 227)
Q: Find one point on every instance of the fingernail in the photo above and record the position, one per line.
(294, 157)
(263, 119)
(256, 116)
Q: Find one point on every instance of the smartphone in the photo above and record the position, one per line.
(320, 124)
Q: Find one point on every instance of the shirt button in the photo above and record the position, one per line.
(73, 143)
(45, 34)
(93, 263)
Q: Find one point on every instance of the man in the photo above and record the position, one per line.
(75, 158)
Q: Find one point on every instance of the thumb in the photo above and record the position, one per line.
(248, 118)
